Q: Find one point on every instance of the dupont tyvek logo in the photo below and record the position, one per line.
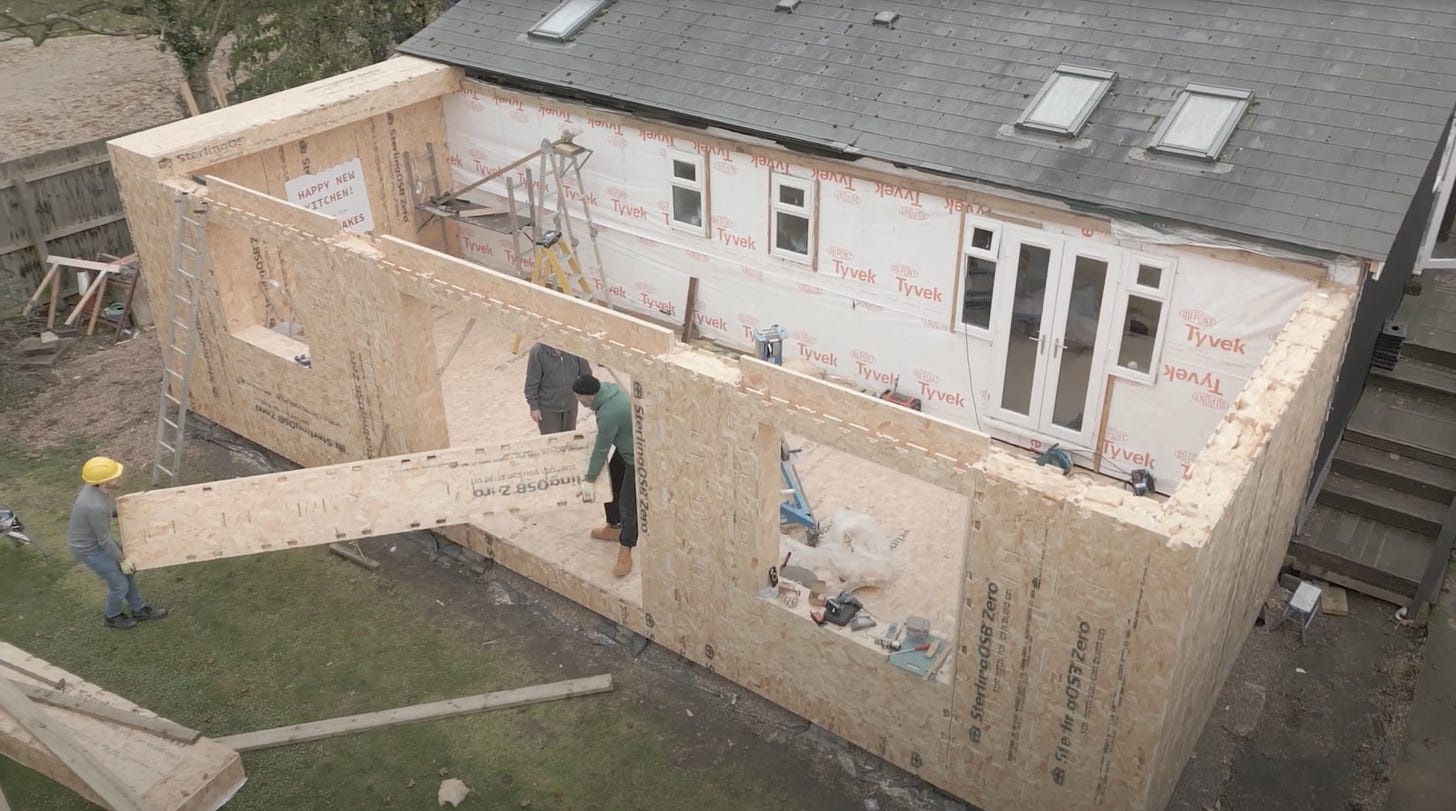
(617, 141)
(809, 289)
(904, 271)
(1186, 457)
(1197, 317)
(750, 271)
(913, 213)
(722, 221)
(868, 307)
(616, 193)
(1210, 400)
(847, 196)
(1115, 434)
(478, 154)
(520, 117)
(725, 167)
(806, 338)
(646, 287)
(926, 376)
(862, 356)
(748, 319)
(842, 254)
(697, 256)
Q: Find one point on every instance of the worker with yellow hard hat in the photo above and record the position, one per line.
(90, 540)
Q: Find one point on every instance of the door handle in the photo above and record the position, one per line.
(1040, 342)
(1057, 346)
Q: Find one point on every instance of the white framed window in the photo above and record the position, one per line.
(1066, 100)
(1201, 121)
(980, 254)
(688, 182)
(1142, 317)
(791, 226)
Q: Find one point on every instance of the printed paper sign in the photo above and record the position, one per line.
(337, 191)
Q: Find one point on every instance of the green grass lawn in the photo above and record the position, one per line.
(294, 636)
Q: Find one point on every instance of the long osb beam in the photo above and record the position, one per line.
(349, 501)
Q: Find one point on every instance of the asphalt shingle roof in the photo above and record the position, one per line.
(1350, 99)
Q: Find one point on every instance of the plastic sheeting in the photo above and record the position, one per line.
(876, 307)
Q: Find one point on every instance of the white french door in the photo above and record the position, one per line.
(1051, 307)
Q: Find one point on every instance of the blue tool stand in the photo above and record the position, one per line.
(795, 509)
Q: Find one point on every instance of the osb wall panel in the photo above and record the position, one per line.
(1064, 645)
(379, 142)
(360, 396)
(711, 488)
(1263, 453)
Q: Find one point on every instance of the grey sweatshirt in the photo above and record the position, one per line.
(549, 375)
(90, 528)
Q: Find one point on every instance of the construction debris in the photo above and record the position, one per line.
(413, 714)
(452, 792)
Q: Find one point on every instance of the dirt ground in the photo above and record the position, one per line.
(78, 89)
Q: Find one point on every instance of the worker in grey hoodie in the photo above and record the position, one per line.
(90, 540)
(549, 375)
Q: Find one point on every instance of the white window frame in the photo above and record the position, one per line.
(968, 250)
(1105, 78)
(1132, 263)
(700, 185)
(809, 212)
(1238, 97)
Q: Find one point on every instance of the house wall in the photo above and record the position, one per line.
(877, 303)
(1081, 670)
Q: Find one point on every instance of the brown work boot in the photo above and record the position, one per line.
(607, 533)
(624, 562)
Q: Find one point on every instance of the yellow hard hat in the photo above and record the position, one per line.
(100, 470)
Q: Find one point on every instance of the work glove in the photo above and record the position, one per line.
(127, 567)
(588, 492)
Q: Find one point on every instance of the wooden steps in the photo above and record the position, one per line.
(1389, 506)
(1393, 476)
(1399, 422)
(1395, 472)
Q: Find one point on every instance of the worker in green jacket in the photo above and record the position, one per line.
(614, 432)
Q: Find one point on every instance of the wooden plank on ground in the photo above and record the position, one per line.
(1336, 601)
(170, 730)
(28, 673)
(354, 500)
(59, 742)
(504, 699)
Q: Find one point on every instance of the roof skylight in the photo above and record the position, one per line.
(566, 20)
(1201, 121)
(1066, 100)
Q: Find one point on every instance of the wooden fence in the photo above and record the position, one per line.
(62, 202)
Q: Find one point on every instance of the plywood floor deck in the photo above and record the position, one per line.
(484, 403)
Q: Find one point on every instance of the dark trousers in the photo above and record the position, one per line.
(615, 468)
(627, 503)
(555, 422)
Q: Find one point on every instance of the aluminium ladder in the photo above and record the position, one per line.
(189, 266)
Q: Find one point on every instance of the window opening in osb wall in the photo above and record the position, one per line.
(849, 525)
